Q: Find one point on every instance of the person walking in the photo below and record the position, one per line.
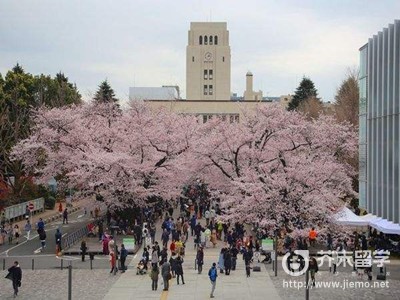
(10, 232)
(213, 274)
(221, 262)
(42, 237)
(15, 275)
(154, 257)
(313, 268)
(113, 260)
(193, 222)
(65, 216)
(17, 233)
(172, 261)
(123, 256)
(58, 237)
(166, 274)
(312, 236)
(200, 260)
(28, 228)
(154, 277)
(227, 261)
(83, 249)
(179, 270)
(40, 225)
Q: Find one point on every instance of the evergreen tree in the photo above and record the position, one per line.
(20, 92)
(105, 94)
(305, 91)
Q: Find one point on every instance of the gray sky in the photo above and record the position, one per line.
(143, 42)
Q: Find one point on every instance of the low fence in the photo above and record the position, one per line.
(72, 238)
(21, 209)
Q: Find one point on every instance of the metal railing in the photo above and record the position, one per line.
(72, 238)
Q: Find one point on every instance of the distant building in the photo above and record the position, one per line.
(208, 62)
(208, 76)
(159, 93)
(379, 129)
(249, 94)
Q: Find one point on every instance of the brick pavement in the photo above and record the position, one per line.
(52, 285)
(344, 278)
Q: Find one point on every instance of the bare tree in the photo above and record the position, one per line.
(346, 99)
(312, 107)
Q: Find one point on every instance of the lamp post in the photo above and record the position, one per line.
(276, 253)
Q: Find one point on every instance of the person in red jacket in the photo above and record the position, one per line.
(172, 247)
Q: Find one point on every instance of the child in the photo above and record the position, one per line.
(248, 270)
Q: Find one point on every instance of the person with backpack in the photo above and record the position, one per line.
(213, 274)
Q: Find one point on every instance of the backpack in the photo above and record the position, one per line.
(213, 274)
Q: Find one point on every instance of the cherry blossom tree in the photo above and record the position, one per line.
(276, 168)
(124, 157)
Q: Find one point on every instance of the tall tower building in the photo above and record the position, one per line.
(208, 62)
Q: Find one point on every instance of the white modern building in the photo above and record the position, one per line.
(379, 129)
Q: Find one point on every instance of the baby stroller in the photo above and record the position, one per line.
(267, 259)
(141, 267)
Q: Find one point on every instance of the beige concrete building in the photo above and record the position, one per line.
(208, 62)
(208, 77)
(249, 94)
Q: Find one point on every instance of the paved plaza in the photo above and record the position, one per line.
(52, 283)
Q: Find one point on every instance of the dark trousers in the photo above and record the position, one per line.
(83, 255)
(123, 264)
(15, 286)
(234, 263)
(154, 285)
(200, 268)
(177, 278)
(166, 283)
(227, 270)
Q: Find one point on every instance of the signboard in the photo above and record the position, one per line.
(273, 255)
(30, 206)
(267, 244)
(129, 243)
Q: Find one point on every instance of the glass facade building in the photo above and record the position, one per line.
(379, 152)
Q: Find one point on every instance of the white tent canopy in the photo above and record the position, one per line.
(346, 217)
(385, 226)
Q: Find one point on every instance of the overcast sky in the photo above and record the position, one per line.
(143, 42)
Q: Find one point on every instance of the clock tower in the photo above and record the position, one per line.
(208, 62)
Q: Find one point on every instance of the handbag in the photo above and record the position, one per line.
(169, 276)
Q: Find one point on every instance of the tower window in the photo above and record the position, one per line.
(223, 58)
(205, 89)
(200, 40)
(211, 40)
(210, 74)
(205, 75)
(192, 58)
(205, 40)
(210, 89)
(216, 40)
